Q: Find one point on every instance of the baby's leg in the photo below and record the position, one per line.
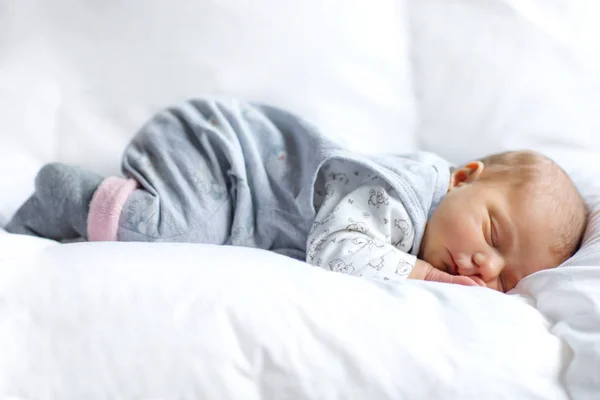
(122, 210)
(58, 208)
(144, 216)
(186, 170)
(70, 202)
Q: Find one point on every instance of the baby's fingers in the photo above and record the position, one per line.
(463, 280)
(441, 276)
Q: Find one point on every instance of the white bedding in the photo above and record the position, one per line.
(132, 321)
(169, 321)
(166, 321)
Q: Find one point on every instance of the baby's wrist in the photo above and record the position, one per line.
(420, 270)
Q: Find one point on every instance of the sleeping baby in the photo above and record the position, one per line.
(232, 173)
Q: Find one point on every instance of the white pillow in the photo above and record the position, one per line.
(570, 295)
(342, 64)
(500, 74)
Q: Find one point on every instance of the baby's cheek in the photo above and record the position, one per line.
(463, 238)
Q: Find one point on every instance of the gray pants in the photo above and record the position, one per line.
(208, 172)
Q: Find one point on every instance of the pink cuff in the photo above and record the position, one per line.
(106, 206)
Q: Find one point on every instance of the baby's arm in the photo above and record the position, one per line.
(364, 232)
(367, 232)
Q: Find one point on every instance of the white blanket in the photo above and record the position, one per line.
(99, 321)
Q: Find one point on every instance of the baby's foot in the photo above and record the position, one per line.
(59, 207)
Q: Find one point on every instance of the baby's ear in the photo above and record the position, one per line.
(466, 174)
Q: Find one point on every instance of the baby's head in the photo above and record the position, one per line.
(505, 217)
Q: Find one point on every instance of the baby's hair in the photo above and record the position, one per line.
(542, 178)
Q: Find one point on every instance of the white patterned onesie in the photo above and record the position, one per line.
(361, 227)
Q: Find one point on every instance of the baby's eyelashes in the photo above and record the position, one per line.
(494, 229)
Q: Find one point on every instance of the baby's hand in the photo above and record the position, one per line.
(425, 271)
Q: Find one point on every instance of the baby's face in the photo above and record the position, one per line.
(489, 232)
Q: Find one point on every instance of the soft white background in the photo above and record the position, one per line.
(462, 78)
(112, 64)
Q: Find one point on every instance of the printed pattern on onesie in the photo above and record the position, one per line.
(361, 227)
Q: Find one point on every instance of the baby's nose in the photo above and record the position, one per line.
(480, 260)
(488, 266)
(466, 264)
